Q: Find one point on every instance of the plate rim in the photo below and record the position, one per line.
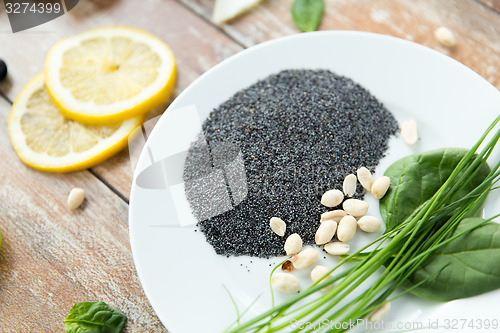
(422, 48)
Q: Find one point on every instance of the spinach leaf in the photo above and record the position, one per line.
(467, 266)
(94, 317)
(416, 178)
(307, 14)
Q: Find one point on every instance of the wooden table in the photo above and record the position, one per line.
(50, 257)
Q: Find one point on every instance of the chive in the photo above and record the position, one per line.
(403, 250)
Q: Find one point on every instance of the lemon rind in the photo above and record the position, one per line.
(106, 147)
(150, 97)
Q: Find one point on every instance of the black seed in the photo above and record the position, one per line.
(300, 133)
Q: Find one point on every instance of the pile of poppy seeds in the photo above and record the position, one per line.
(273, 149)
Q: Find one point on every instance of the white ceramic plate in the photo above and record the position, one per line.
(181, 274)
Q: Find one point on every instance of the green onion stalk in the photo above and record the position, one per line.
(389, 260)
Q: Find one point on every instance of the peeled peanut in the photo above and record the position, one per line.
(75, 198)
(285, 282)
(337, 248)
(349, 185)
(278, 226)
(355, 207)
(325, 232)
(380, 187)
(318, 272)
(335, 215)
(379, 313)
(347, 228)
(332, 198)
(293, 244)
(445, 36)
(306, 258)
(409, 132)
(365, 178)
(369, 223)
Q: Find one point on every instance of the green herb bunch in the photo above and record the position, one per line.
(429, 213)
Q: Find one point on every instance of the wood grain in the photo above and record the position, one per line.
(51, 258)
(493, 4)
(476, 27)
(196, 44)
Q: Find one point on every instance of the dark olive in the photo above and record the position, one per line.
(3, 70)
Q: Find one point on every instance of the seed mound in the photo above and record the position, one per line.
(273, 149)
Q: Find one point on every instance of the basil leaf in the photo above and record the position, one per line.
(307, 14)
(416, 178)
(94, 317)
(465, 267)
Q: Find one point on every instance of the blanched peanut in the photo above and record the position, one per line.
(335, 215)
(445, 36)
(306, 258)
(75, 198)
(337, 248)
(278, 226)
(347, 228)
(318, 272)
(380, 187)
(365, 178)
(332, 198)
(379, 313)
(325, 232)
(285, 282)
(293, 244)
(369, 223)
(349, 185)
(355, 207)
(409, 132)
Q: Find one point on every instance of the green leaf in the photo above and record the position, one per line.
(416, 178)
(466, 267)
(94, 317)
(307, 14)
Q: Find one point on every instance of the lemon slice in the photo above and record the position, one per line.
(109, 74)
(46, 140)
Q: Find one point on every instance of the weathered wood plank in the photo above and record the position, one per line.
(196, 44)
(51, 258)
(48, 265)
(493, 4)
(477, 28)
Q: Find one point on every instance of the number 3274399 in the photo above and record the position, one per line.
(34, 8)
(474, 324)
